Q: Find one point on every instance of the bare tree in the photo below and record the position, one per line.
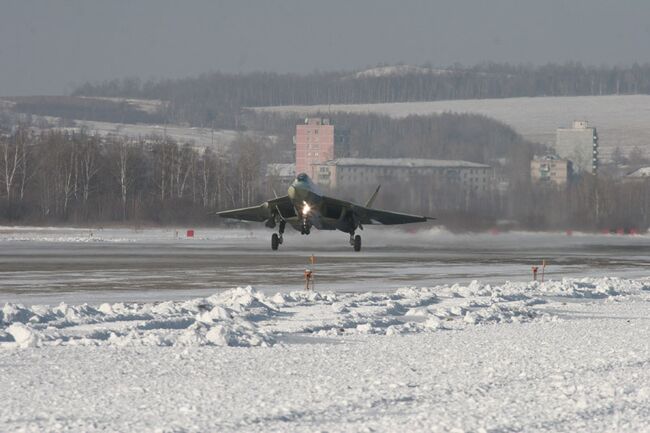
(14, 152)
(89, 154)
(121, 154)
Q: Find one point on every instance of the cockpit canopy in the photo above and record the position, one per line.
(302, 177)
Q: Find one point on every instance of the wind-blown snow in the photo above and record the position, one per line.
(568, 355)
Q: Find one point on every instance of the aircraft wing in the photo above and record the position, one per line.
(262, 212)
(367, 215)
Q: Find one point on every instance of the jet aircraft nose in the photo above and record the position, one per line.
(298, 191)
(303, 189)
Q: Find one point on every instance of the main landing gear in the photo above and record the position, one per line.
(355, 241)
(276, 238)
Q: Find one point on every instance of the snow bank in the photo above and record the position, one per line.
(593, 288)
(246, 317)
(224, 319)
(23, 335)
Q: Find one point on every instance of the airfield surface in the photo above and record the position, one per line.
(97, 265)
(424, 331)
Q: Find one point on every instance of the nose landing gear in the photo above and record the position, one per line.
(305, 228)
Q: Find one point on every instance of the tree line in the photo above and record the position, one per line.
(216, 99)
(78, 177)
(59, 176)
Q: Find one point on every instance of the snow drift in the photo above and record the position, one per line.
(246, 317)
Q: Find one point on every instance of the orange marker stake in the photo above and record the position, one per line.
(312, 261)
(308, 276)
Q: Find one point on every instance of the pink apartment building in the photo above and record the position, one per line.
(314, 144)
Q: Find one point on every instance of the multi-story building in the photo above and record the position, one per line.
(317, 141)
(579, 144)
(347, 172)
(314, 143)
(551, 169)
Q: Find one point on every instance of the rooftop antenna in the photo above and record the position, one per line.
(329, 103)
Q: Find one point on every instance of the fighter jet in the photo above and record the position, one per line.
(305, 207)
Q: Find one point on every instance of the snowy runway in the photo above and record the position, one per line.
(51, 265)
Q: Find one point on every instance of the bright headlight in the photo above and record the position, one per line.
(305, 208)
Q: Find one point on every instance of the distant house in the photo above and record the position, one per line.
(638, 174)
(281, 174)
(551, 169)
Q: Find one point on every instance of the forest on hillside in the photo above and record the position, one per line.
(216, 99)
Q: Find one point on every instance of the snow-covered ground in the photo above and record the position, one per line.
(621, 120)
(146, 330)
(218, 140)
(567, 355)
(151, 106)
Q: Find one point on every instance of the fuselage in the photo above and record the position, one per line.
(302, 190)
(307, 201)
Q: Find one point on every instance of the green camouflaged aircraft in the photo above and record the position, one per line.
(305, 207)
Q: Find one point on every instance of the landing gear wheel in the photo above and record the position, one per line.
(280, 237)
(357, 243)
(275, 241)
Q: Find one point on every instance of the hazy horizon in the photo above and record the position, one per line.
(52, 47)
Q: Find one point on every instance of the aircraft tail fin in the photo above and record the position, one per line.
(373, 197)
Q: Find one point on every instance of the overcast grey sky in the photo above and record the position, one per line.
(50, 46)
